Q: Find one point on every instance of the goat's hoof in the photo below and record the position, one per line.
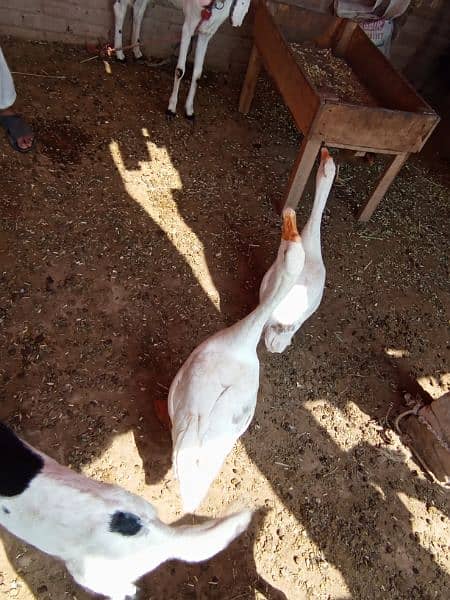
(121, 61)
(170, 115)
(190, 118)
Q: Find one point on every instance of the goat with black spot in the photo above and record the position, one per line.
(107, 537)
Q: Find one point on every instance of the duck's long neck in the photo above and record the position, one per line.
(251, 326)
(311, 231)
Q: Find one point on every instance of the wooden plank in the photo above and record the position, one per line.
(251, 78)
(361, 149)
(381, 78)
(344, 36)
(299, 24)
(372, 128)
(382, 186)
(297, 92)
(302, 168)
(327, 38)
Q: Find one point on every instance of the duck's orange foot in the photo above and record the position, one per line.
(162, 413)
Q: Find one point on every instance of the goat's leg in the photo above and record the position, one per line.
(200, 53)
(120, 10)
(139, 7)
(186, 35)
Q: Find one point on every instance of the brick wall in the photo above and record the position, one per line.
(424, 38)
(421, 39)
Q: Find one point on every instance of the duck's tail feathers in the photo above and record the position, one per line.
(196, 464)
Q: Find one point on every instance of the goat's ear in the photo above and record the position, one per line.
(19, 464)
(195, 543)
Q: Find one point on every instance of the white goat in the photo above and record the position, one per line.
(201, 17)
(120, 10)
(107, 537)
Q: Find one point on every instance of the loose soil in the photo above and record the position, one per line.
(125, 241)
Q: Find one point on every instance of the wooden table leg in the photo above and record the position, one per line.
(382, 186)
(302, 168)
(251, 77)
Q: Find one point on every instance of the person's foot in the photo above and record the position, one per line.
(24, 142)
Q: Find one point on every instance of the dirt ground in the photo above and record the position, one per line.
(125, 241)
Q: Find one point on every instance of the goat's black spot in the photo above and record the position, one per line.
(179, 73)
(125, 523)
(120, 31)
(6, 510)
(19, 464)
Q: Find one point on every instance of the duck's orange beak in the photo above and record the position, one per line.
(289, 230)
(324, 154)
(327, 167)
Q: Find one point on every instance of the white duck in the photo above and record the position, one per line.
(305, 296)
(213, 396)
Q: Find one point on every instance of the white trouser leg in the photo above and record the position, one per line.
(7, 90)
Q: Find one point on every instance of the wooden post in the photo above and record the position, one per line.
(302, 168)
(382, 186)
(251, 77)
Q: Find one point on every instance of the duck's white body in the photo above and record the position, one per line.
(211, 403)
(306, 295)
(213, 397)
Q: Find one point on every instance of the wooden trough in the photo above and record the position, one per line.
(399, 124)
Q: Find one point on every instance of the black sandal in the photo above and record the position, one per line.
(16, 128)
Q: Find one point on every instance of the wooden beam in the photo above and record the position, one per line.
(363, 149)
(382, 186)
(377, 73)
(302, 168)
(278, 60)
(372, 127)
(251, 78)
